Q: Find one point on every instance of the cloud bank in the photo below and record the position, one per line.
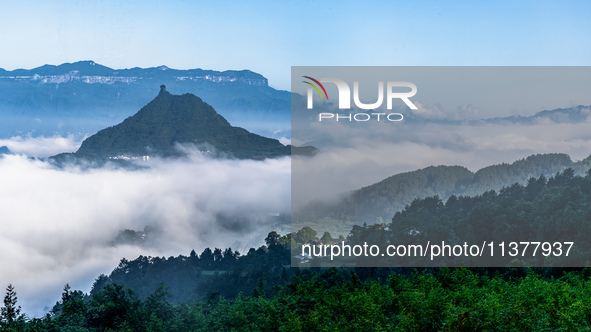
(41, 146)
(354, 155)
(58, 226)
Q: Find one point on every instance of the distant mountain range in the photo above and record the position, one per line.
(169, 121)
(575, 114)
(379, 202)
(560, 115)
(85, 96)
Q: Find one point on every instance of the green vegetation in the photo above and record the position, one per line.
(222, 290)
(333, 299)
(379, 202)
(169, 120)
(547, 210)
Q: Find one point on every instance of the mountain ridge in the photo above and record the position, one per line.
(91, 68)
(84, 97)
(177, 119)
(378, 202)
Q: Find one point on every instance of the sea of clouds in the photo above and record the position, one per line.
(58, 226)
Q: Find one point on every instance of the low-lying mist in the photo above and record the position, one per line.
(59, 225)
(360, 154)
(42, 146)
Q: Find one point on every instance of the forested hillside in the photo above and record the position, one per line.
(377, 203)
(550, 210)
(222, 290)
(369, 299)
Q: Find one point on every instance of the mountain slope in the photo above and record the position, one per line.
(171, 119)
(378, 202)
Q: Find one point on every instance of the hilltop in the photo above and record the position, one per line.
(172, 120)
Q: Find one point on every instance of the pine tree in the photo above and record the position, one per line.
(10, 311)
(67, 294)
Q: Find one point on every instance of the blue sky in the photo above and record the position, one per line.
(270, 36)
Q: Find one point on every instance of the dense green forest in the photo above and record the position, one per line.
(550, 210)
(223, 290)
(330, 299)
(377, 203)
